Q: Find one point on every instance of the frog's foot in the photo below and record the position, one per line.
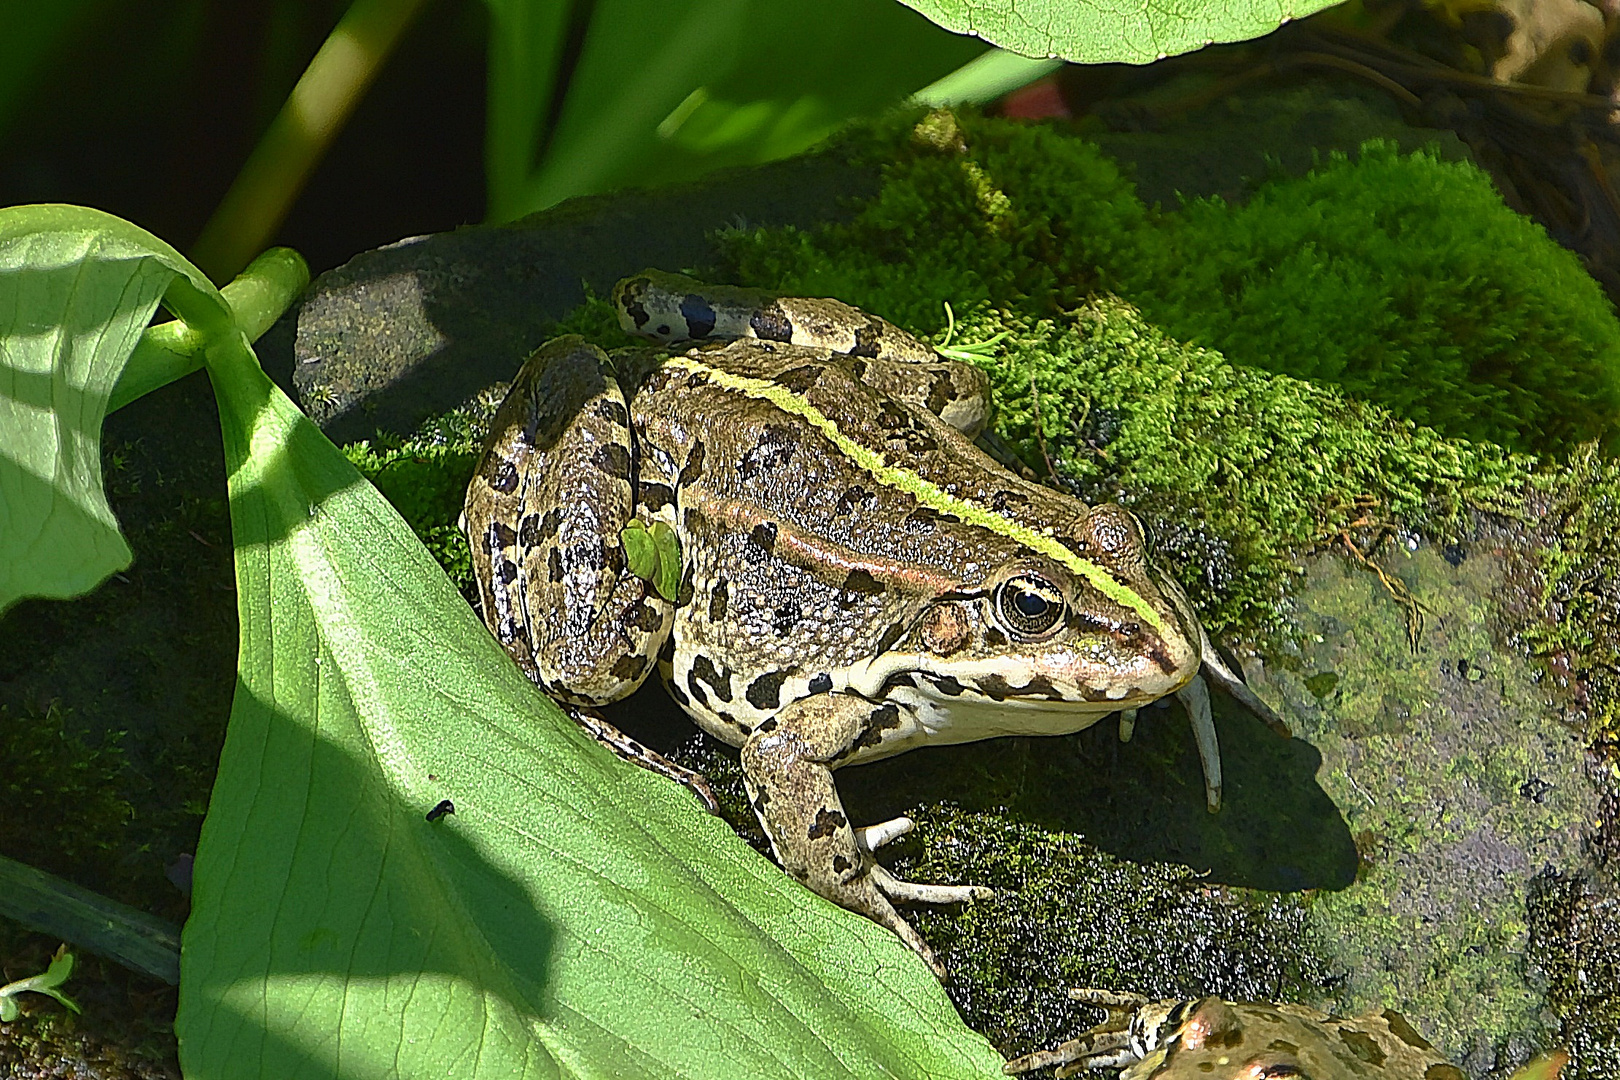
(786, 766)
(1108, 1045)
(649, 759)
(1195, 696)
(912, 892)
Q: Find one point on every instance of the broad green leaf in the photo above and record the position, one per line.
(77, 288)
(665, 90)
(575, 915)
(1105, 31)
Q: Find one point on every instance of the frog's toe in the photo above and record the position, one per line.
(1195, 696)
(918, 893)
(873, 837)
(1096, 1049)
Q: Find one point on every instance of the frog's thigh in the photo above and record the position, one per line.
(591, 626)
(786, 762)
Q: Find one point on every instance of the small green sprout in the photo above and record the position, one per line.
(977, 350)
(55, 975)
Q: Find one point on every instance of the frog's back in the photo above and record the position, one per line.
(801, 439)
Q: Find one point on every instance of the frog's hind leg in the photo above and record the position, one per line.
(787, 764)
(544, 515)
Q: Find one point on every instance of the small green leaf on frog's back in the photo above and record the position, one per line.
(668, 548)
(639, 552)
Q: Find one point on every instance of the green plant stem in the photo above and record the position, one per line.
(49, 905)
(985, 78)
(257, 298)
(297, 138)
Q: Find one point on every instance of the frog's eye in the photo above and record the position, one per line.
(1029, 605)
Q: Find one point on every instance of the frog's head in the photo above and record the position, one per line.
(1085, 625)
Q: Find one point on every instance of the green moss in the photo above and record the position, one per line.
(1067, 914)
(1573, 938)
(1578, 621)
(1403, 280)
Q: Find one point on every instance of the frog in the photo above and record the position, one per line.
(1210, 1038)
(839, 573)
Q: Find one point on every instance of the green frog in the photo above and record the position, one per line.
(1212, 1039)
(783, 511)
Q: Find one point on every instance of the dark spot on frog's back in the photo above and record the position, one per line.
(613, 412)
(993, 687)
(861, 581)
(763, 536)
(501, 536)
(1004, 500)
(786, 617)
(629, 667)
(528, 534)
(655, 497)
(703, 669)
(698, 314)
(644, 618)
(868, 340)
(508, 572)
(765, 692)
(692, 471)
(800, 379)
(613, 459)
(719, 599)
(773, 451)
(851, 498)
(771, 323)
(631, 293)
(554, 566)
(821, 684)
(504, 478)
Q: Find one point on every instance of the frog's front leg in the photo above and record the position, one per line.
(787, 763)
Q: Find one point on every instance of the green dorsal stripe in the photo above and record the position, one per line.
(924, 491)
